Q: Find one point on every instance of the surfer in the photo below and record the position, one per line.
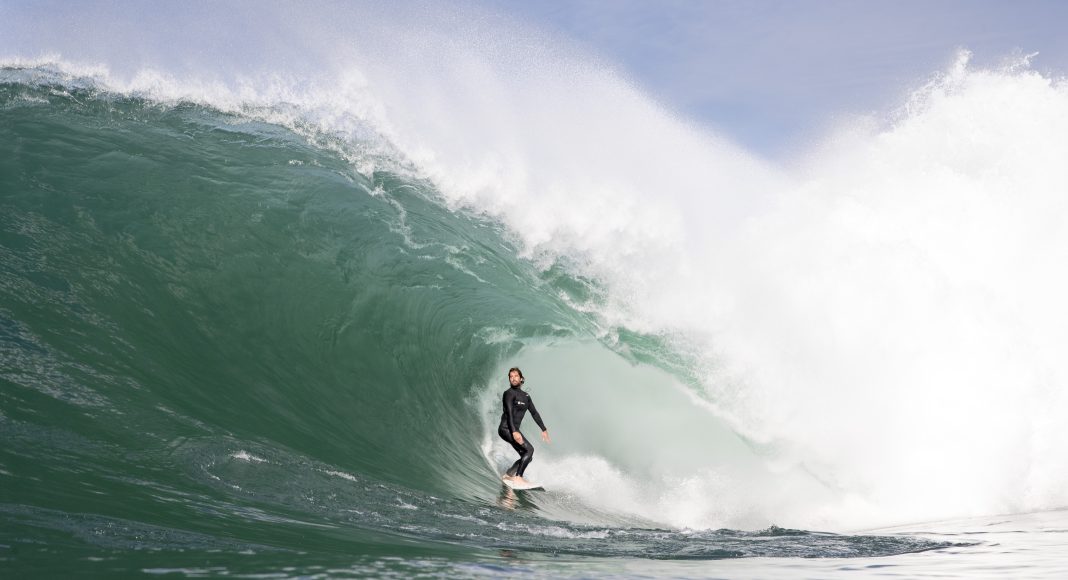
(516, 403)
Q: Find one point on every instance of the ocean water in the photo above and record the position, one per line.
(255, 315)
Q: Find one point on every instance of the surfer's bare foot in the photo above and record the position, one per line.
(520, 480)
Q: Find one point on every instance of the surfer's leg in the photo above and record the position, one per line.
(525, 455)
(507, 436)
(503, 432)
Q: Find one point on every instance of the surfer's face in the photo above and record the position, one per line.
(514, 378)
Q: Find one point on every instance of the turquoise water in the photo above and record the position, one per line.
(262, 271)
(224, 350)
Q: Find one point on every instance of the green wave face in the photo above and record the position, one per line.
(217, 339)
(186, 271)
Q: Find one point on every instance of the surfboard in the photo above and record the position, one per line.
(521, 487)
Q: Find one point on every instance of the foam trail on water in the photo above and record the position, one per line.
(886, 313)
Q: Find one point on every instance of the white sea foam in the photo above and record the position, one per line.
(340, 474)
(889, 319)
(552, 531)
(246, 456)
(885, 312)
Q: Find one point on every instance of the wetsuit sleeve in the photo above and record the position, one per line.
(507, 402)
(534, 412)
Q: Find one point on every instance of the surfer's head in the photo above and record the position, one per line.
(515, 376)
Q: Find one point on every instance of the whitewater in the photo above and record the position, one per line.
(260, 291)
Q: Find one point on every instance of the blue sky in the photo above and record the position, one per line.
(772, 74)
(769, 74)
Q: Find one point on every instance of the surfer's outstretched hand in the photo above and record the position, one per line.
(545, 437)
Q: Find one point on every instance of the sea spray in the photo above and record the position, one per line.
(882, 313)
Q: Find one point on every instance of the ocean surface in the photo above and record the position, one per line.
(260, 327)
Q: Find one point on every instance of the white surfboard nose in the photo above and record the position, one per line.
(521, 486)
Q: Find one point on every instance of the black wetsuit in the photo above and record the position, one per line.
(516, 403)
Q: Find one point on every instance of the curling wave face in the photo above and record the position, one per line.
(332, 248)
(220, 337)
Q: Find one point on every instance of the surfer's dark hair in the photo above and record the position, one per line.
(516, 369)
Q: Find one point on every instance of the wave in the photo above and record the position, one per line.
(338, 258)
(220, 337)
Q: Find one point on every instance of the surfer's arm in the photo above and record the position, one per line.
(506, 400)
(535, 414)
(537, 419)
